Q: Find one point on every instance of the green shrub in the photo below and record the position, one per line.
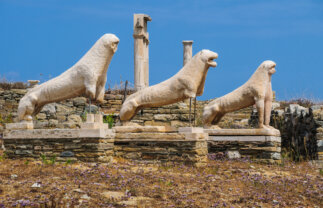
(109, 120)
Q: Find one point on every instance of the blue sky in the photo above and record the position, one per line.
(47, 37)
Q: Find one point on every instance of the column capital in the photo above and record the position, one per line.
(187, 42)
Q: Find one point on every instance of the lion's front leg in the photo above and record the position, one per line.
(100, 90)
(260, 104)
(268, 104)
(128, 110)
(90, 87)
(26, 108)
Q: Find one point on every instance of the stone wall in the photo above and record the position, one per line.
(63, 144)
(148, 144)
(263, 151)
(167, 147)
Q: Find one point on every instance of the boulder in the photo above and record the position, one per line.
(79, 101)
(298, 109)
(74, 118)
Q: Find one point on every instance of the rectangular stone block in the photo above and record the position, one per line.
(94, 125)
(246, 138)
(243, 132)
(137, 129)
(17, 126)
(196, 136)
(149, 137)
(95, 133)
(191, 130)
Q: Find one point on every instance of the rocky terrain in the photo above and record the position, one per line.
(222, 183)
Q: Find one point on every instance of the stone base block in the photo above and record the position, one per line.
(320, 156)
(94, 125)
(260, 148)
(191, 130)
(137, 129)
(22, 125)
(94, 121)
(162, 147)
(95, 145)
(243, 132)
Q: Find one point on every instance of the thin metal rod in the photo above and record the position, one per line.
(90, 104)
(125, 92)
(195, 111)
(189, 117)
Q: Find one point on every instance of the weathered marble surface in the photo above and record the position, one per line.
(94, 121)
(257, 90)
(243, 132)
(187, 83)
(137, 129)
(56, 133)
(22, 125)
(87, 77)
(187, 51)
(141, 50)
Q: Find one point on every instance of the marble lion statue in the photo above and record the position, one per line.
(257, 90)
(187, 83)
(87, 77)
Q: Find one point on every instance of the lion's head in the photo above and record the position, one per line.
(207, 56)
(269, 66)
(110, 41)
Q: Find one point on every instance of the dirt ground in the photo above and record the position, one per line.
(222, 183)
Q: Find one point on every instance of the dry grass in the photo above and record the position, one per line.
(222, 183)
(6, 85)
(305, 102)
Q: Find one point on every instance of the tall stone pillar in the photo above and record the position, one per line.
(187, 52)
(141, 50)
(187, 55)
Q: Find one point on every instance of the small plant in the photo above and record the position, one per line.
(109, 120)
(321, 172)
(26, 162)
(44, 159)
(8, 119)
(68, 162)
(84, 116)
(52, 160)
(3, 157)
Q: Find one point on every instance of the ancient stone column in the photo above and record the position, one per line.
(187, 53)
(141, 50)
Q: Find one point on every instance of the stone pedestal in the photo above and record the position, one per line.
(94, 145)
(94, 121)
(191, 130)
(243, 132)
(257, 144)
(138, 129)
(141, 50)
(162, 147)
(21, 125)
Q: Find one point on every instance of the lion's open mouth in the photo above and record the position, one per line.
(212, 63)
(114, 46)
